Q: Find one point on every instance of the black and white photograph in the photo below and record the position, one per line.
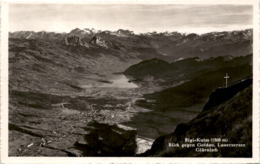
(130, 80)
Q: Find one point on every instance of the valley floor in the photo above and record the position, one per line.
(49, 125)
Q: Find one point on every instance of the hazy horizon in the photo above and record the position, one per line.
(137, 18)
(183, 32)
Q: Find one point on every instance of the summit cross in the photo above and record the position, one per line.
(226, 77)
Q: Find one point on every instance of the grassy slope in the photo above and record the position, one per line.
(40, 65)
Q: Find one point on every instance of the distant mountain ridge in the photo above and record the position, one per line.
(125, 32)
(172, 45)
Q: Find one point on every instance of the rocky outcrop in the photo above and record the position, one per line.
(107, 140)
(122, 33)
(76, 41)
(80, 32)
(234, 36)
(229, 119)
(97, 40)
(85, 41)
(85, 38)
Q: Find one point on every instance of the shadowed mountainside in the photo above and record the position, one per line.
(229, 117)
(165, 73)
(200, 79)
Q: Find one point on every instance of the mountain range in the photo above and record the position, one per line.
(168, 45)
(56, 87)
(35, 55)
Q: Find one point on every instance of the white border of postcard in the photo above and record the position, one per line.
(114, 160)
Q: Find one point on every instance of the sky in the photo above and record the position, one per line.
(138, 18)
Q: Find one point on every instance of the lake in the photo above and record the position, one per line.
(119, 81)
(115, 81)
